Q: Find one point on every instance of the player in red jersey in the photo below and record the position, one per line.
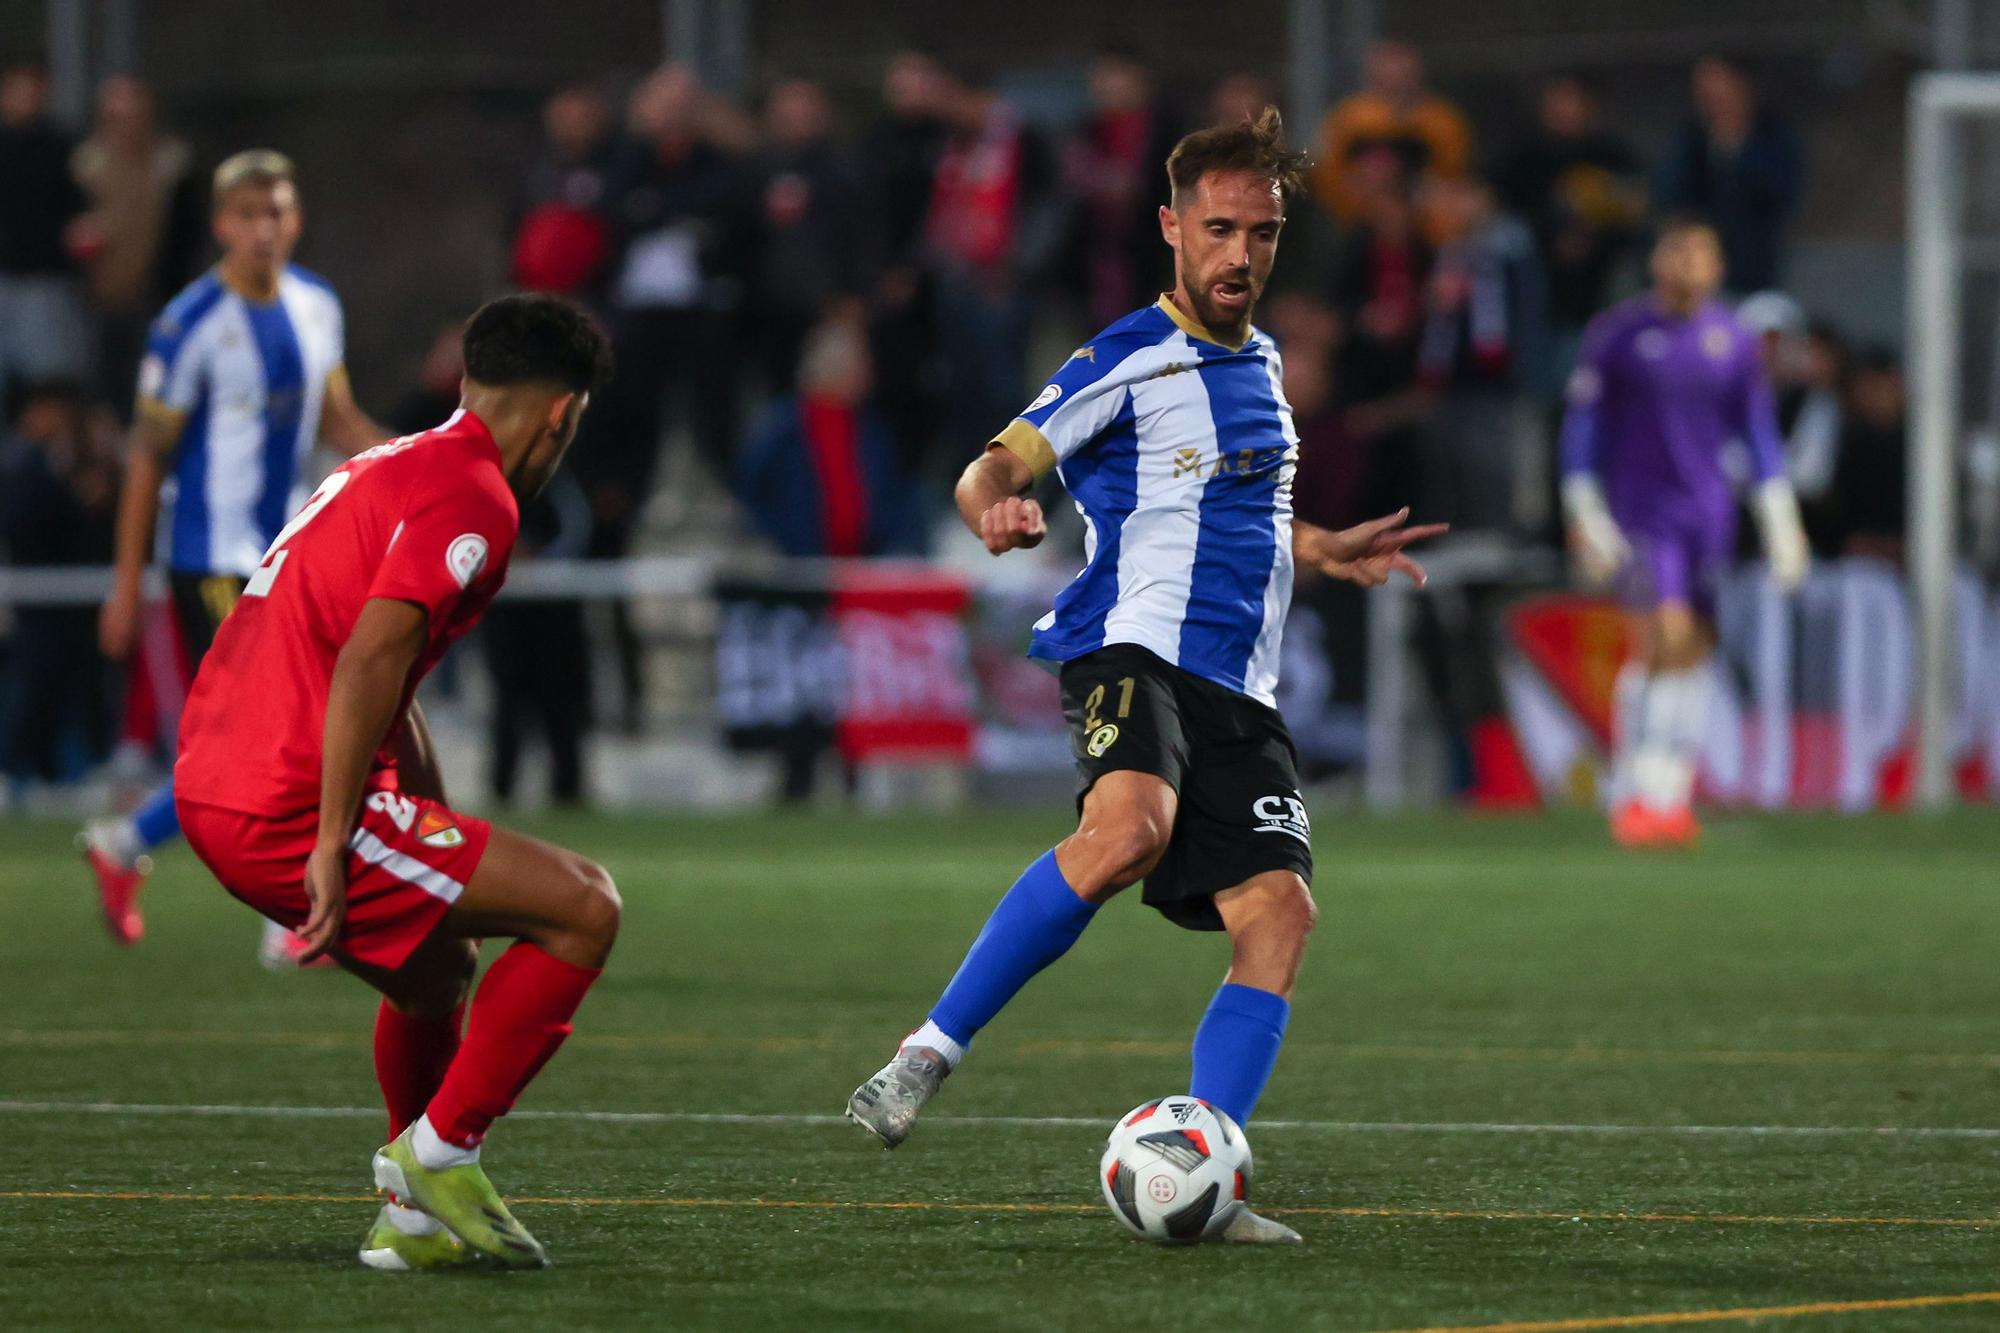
(308, 783)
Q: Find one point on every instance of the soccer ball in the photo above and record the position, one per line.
(1175, 1170)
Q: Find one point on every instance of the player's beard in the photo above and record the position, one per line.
(1207, 311)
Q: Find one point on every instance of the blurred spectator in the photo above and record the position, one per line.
(899, 160)
(1393, 128)
(1238, 97)
(1870, 488)
(1806, 367)
(141, 240)
(1580, 188)
(1378, 287)
(1326, 631)
(1332, 476)
(1481, 332)
(57, 497)
(1115, 170)
(435, 395)
(821, 476)
(677, 203)
(42, 331)
(902, 150)
(1740, 166)
(994, 228)
(539, 652)
(1813, 414)
(814, 242)
(562, 240)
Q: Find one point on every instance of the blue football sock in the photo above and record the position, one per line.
(155, 821)
(1236, 1046)
(1034, 924)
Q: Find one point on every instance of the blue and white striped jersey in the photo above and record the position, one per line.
(1179, 452)
(245, 381)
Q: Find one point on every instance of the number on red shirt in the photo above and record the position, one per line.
(274, 559)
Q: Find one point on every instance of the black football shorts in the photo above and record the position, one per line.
(1227, 756)
(201, 603)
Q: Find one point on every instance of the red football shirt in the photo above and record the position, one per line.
(425, 518)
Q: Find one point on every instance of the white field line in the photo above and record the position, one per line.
(200, 1110)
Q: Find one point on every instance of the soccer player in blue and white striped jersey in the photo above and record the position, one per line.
(1171, 432)
(244, 374)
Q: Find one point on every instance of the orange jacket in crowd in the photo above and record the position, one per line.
(1434, 127)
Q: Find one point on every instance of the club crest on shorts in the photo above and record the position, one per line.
(434, 830)
(1102, 739)
(1282, 814)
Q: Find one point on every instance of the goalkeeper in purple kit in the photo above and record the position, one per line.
(1666, 382)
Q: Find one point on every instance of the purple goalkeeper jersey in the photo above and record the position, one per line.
(1655, 401)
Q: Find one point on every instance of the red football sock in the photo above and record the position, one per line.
(519, 1017)
(411, 1055)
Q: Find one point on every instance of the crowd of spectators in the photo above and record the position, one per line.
(829, 318)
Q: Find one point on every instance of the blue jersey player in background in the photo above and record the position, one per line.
(243, 376)
(1666, 383)
(1171, 433)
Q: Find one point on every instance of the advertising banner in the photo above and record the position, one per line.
(1813, 695)
(876, 662)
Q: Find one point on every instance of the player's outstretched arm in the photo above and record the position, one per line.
(367, 688)
(1367, 553)
(152, 442)
(992, 501)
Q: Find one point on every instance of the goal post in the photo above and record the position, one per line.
(1941, 107)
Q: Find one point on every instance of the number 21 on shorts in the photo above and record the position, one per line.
(1101, 735)
(274, 559)
(1095, 701)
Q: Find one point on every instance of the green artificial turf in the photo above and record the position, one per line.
(1504, 1031)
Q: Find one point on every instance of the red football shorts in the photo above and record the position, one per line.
(408, 861)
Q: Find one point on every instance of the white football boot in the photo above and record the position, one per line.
(279, 950)
(887, 1104)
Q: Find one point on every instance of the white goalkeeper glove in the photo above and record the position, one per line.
(1599, 547)
(1784, 536)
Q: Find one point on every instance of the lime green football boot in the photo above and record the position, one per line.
(389, 1250)
(463, 1199)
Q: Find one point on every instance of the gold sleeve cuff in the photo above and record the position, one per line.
(153, 413)
(1028, 444)
(337, 377)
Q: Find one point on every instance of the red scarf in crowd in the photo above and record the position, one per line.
(833, 442)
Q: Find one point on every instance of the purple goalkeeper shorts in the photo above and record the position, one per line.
(1678, 562)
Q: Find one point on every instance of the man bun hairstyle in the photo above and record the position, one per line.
(1249, 145)
(534, 338)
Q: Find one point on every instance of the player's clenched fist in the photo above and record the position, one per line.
(1013, 523)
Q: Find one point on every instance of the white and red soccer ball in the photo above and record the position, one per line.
(1175, 1170)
